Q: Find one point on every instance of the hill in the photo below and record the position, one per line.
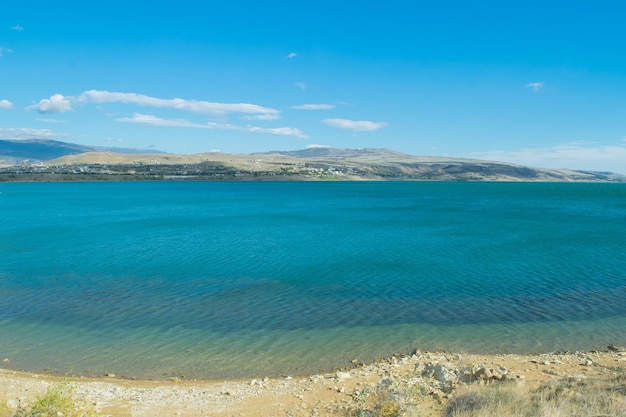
(78, 162)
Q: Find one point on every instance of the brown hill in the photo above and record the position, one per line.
(324, 163)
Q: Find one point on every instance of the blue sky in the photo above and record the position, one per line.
(536, 83)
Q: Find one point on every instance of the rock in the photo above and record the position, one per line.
(616, 348)
(445, 377)
(438, 395)
(109, 375)
(342, 375)
(588, 362)
(483, 373)
(496, 375)
(6, 360)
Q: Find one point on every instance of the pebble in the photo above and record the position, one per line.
(108, 392)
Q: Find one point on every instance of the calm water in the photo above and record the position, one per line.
(233, 279)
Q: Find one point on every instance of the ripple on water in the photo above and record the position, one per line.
(216, 280)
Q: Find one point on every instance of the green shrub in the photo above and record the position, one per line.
(58, 401)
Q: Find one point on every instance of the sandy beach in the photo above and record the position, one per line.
(433, 377)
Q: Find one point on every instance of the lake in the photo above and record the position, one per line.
(250, 279)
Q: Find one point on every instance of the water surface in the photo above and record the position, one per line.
(233, 279)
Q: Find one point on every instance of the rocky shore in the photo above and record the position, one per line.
(431, 378)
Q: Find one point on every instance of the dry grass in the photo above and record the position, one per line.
(569, 397)
(562, 398)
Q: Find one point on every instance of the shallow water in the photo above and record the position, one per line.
(234, 279)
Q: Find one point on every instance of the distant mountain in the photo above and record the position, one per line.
(41, 150)
(308, 164)
(337, 153)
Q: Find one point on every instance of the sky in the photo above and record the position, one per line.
(539, 83)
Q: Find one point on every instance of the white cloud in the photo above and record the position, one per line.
(6, 104)
(314, 107)
(60, 104)
(194, 106)
(358, 125)
(536, 86)
(267, 116)
(157, 121)
(581, 156)
(55, 104)
(301, 86)
(280, 131)
(292, 55)
(314, 146)
(5, 50)
(45, 120)
(19, 28)
(28, 133)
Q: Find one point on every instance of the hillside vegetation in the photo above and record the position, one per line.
(308, 164)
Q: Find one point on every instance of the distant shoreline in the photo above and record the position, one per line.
(59, 178)
(309, 164)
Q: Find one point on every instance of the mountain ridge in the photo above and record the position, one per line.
(40, 150)
(316, 163)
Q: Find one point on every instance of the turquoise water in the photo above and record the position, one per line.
(239, 279)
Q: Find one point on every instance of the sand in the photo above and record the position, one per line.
(433, 374)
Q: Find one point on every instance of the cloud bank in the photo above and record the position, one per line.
(6, 104)
(356, 125)
(60, 104)
(157, 121)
